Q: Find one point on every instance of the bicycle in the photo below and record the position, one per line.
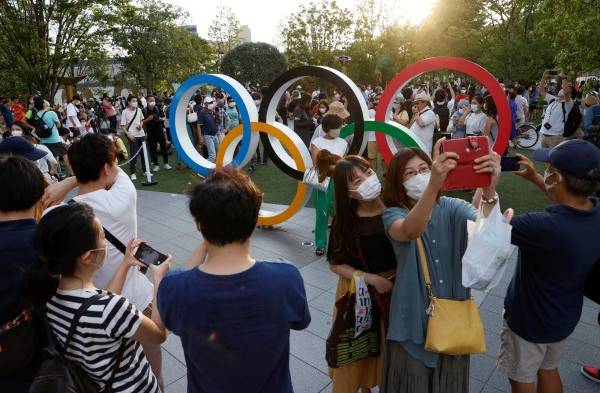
(527, 135)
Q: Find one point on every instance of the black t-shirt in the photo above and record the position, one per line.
(157, 124)
(558, 249)
(374, 244)
(17, 256)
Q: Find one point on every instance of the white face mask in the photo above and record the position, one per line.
(134, 104)
(415, 186)
(322, 110)
(440, 102)
(335, 133)
(151, 103)
(369, 189)
(232, 105)
(16, 133)
(474, 107)
(211, 106)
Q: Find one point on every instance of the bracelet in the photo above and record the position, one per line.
(490, 201)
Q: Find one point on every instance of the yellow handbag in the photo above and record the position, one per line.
(454, 326)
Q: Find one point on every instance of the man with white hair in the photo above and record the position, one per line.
(557, 112)
(423, 120)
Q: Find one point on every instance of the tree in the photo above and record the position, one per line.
(153, 48)
(224, 30)
(254, 62)
(573, 28)
(43, 40)
(316, 33)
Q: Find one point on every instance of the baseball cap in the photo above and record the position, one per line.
(574, 157)
(19, 146)
(209, 100)
(422, 97)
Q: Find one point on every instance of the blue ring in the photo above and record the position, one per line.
(195, 82)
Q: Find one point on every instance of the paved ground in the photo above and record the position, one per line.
(166, 224)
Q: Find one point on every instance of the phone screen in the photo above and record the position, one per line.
(149, 256)
(509, 164)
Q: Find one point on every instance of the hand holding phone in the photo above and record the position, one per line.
(149, 256)
(510, 164)
(464, 176)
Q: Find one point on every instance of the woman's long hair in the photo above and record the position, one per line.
(394, 193)
(344, 235)
(62, 236)
(490, 107)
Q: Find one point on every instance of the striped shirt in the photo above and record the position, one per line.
(97, 339)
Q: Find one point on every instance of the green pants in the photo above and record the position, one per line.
(323, 207)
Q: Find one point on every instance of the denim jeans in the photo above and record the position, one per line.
(212, 145)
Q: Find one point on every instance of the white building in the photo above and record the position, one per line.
(245, 35)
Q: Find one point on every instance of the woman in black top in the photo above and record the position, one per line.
(304, 125)
(358, 243)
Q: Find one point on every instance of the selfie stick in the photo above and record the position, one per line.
(149, 181)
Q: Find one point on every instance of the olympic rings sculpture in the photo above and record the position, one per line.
(284, 146)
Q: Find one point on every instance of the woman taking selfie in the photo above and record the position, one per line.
(358, 244)
(416, 210)
(71, 244)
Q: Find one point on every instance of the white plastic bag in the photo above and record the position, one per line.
(363, 307)
(488, 251)
(311, 178)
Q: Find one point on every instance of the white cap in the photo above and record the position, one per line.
(208, 100)
(299, 87)
(422, 96)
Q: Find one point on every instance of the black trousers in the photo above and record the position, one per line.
(157, 137)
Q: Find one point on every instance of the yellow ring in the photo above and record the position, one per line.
(301, 188)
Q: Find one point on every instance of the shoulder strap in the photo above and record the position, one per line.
(76, 317)
(133, 118)
(564, 112)
(424, 265)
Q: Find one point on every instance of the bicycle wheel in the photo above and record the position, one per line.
(527, 136)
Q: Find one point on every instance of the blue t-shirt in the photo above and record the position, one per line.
(50, 118)
(235, 329)
(558, 249)
(17, 255)
(206, 120)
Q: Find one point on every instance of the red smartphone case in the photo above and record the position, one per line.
(464, 177)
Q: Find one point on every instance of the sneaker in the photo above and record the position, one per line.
(591, 373)
(133, 177)
(156, 168)
(167, 167)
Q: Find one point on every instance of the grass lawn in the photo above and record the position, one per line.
(278, 188)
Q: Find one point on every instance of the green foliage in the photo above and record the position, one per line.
(254, 62)
(224, 30)
(316, 33)
(42, 41)
(154, 50)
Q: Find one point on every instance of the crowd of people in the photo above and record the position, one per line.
(72, 278)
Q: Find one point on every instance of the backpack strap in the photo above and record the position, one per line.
(91, 300)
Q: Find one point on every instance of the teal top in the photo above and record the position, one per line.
(445, 242)
(50, 118)
(234, 118)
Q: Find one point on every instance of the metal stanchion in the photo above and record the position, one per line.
(149, 181)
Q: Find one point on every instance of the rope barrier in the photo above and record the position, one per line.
(132, 157)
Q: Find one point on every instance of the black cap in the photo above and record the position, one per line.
(77, 97)
(19, 146)
(575, 157)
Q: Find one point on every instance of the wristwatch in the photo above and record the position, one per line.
(490, 201)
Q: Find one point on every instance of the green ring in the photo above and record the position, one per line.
(388, 129)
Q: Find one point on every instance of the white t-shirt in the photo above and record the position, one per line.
(555, 117)
(135, 128)
(45, 162)
(336, 146)
(425, 133)
(475, 123)
(319, 133)
(72, 112)
(116, 210)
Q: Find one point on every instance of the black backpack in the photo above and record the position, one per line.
(41, 128)
(444, 115)
(57, 374)
(572, 121)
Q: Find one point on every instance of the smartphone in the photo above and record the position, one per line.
(464, 177)
(149, 256)
(509, 164)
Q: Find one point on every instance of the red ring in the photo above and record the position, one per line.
(446, 63)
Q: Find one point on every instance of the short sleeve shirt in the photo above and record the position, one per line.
(558, 249)
(235, 329)
(336, 146)
(445, 242)
(129, 116)
(72, 112)
(50, 118)
(554, 115)
(425, 133)
(207, 122)
(475, 123)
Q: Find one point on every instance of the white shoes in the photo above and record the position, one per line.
(156, 168)
(167, 167)
(133, 177)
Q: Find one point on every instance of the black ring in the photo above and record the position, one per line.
(354, 108)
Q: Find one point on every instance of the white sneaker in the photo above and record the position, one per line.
(133, 177)
(156, 168)
(167, 167)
